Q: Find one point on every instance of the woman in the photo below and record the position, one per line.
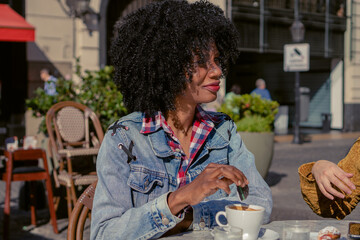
(332, 190)
(170, 166)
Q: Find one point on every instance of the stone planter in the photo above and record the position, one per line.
(262, 146)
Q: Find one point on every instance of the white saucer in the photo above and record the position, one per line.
(268, 234)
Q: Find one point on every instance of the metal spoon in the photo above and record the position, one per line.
(242, 192)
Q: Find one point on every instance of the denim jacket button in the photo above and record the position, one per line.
(165, 221)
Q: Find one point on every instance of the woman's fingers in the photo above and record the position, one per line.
(231, 173)
(330, 190)
(223, 184)
(325, 192)
(328, 175)
(343, 181)
(338, 177)
(212, 178)
(349, 175)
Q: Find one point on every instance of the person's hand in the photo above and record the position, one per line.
(212, 178)
(327, 173)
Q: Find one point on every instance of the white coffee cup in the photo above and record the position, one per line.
(249, 218)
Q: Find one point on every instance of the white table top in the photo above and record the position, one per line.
(277, 226)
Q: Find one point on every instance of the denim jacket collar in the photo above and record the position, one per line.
(159, 144)
(161, 149)
(216, 139)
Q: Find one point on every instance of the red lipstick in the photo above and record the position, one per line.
(213, 87)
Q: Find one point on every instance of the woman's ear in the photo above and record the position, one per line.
(188, 75)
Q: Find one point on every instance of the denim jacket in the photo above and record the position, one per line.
(131, 195)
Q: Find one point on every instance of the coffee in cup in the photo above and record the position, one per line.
(243, 208)
(247, 217)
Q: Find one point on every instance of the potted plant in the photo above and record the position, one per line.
(254, 118)
(97, 91)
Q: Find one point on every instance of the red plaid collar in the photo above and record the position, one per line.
(202, 126)
(151, 123)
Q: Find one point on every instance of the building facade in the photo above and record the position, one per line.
(67, 30)
(265, 29)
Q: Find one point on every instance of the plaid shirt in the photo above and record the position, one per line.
(202, 126)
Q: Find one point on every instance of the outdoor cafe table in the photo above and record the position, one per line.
(277, 226)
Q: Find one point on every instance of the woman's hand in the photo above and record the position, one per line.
(327, 173)
(213, 178)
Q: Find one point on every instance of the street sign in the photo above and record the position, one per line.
(297, 57)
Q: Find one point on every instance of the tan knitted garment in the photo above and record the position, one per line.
(337, 208)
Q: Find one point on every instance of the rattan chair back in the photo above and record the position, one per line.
(80, 213)
(71, 124)
(74, 130)
(68, 124)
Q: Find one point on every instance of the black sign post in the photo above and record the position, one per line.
(297, 32)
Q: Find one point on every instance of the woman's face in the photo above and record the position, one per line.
(205, 79)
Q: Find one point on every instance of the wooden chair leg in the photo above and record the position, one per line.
(7, 211)
(73, 194)
(51, 204)
(68, 199)
(56, 200)
(33, 202)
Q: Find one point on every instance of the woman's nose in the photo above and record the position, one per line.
(215, 70)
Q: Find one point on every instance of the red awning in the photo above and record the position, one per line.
(13, 27)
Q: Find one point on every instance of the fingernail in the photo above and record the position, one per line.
(239, 183)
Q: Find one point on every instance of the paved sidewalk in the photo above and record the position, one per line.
(283, 179)
(314, 137)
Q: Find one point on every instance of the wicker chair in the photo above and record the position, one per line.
(74, 130)
(80, 213)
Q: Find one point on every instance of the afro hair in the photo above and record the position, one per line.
(153, 48)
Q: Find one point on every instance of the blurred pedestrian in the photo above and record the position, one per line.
(49, 82)
(235, 90)
(261, 89)
(341, 11)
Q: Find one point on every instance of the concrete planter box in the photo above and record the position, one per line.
(262, 146)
